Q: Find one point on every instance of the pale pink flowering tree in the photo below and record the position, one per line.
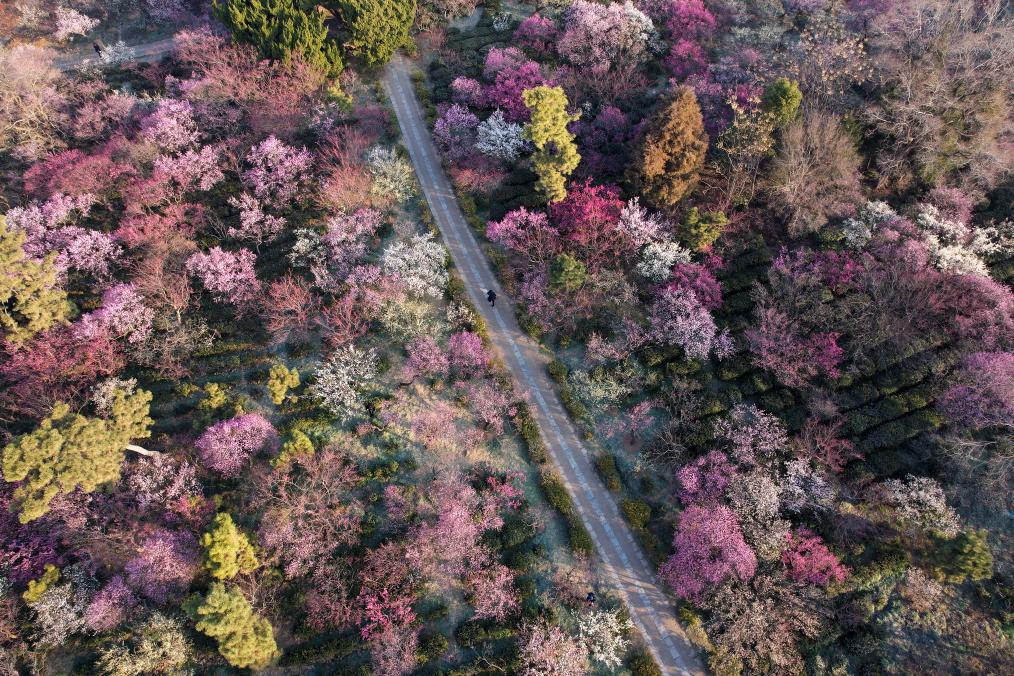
(166, 565)
(601, 37)
(164, 10)
(229, 276)
(190, 170)
(171, 126)
(778, 344)
(984, 395)
(255, 225)
(490, 404)
(161, 481)
(278, 172)
(467, 355)
(111, 606)
(395, 651)
(498, 58)
(807, 559)
(492, 592)
(703, 482)
(547, 649)
(227, 446)
(467, 91)
(528, 233)
(124, 314)
(752, 436)
(679, 318)
(639, 226)
(709, 548)
(426, 358)
(71, 22)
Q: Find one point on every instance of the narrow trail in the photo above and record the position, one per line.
(146, 51)
(624, 564)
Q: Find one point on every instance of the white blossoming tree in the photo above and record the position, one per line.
(420, 264)
(602, 633)
(498, 138)
(339, 381)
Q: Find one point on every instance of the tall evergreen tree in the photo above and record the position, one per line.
(227, 551)
(281, 28)
(30, 299)
(69, 451)
(556, 155)
(666, 166)
(245, 639)
(376, 27)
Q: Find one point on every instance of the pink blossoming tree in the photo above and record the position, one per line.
(228, 445)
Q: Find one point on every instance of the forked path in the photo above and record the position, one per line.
(621, 558)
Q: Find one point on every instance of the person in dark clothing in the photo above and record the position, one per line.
(491, 297)
(97, 47)
(590, 599)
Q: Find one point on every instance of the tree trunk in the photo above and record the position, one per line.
(142, 451)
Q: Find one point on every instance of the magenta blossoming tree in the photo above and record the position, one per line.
(229, 276)
(111, 606)
(505, 93)
(985, 397)
(709, 548)
(426, 358)
(467, 91)
(536, 33)
(807, 559)
(528, 233)
(167, 563)
(228, 445)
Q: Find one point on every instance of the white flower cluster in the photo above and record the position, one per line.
(392, 174)
(420, 264)
(603, 634)
(920, 502)
(338, 381)
(498, 138)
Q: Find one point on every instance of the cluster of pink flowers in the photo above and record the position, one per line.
(167, 563)
(466, 353)
(278, 172)
(111, 606)
(123, 314)
(703, 482)
(455, 131)
(807, 559)
(171, 126)
(229, 276)
(227, 446)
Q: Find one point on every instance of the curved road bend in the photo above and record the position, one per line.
(624, 563)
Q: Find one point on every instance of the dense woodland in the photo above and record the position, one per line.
(251, 421)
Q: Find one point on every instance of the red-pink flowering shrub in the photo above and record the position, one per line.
(588, 218)
(58, 365)
(703, 482)
(278, 173)
(700, 280)
(537, 33)
(455, 131)
(466, 354)
(111, 606)
(709, 548)
(492, 593)
(505, 93)
(123, 314)
(164, 568)
(778, 345)
(228, 445)
(382, 611)
(985, 396)
(678, 318)
(689, 20)
(74, 173)
(289, 308)
(171, 126)
(820, 442)
(686, 58)
(807, 559)
(426, 358)
(229, 276)
(527, 233)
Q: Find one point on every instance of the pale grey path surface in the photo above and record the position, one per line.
(632, 576)
(148, 51)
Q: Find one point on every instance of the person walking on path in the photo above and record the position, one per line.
(97, 46)
(491, 297)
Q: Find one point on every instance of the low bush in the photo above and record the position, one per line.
(606, 466)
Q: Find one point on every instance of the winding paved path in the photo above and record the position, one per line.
(148, 51)
(622, 560)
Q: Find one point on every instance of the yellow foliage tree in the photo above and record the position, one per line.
(556, 155)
